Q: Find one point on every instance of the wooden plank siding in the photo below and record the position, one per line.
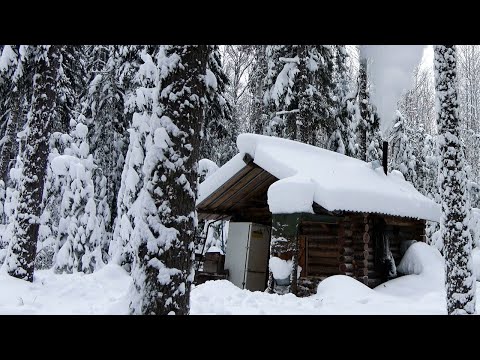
(243, 197)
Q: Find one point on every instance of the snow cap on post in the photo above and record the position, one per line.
(291, 195)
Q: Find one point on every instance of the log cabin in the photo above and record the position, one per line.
(328, 214)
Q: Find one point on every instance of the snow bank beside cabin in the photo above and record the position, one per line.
(422, 291)
(424, 269)
(339, 182)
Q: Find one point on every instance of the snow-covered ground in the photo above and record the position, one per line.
(106, 292)
(103, 292)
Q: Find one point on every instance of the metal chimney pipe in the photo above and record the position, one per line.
(385, 157)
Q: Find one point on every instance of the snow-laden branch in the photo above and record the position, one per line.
(284, 112)
(290, 60)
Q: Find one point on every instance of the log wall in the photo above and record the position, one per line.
(347, 246)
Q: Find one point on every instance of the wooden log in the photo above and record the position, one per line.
(320, 225)
(346, 267)
(361, 272)
(327, 238)
(361, 247)
(345, 242)
(319, 270)
(346, 251)
(323, 246)
(326, 253)
(360, 263)
(366, 238)
(346, 259)
(361, 254)
(322, 261)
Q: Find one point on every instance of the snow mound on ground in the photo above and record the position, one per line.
(342, 286)
(421, 258)
(425, 273)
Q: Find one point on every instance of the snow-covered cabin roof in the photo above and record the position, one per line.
(334, 181)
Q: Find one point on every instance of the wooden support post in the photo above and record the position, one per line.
(285, 243)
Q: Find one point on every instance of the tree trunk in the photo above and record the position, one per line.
(20, 262)
(166, 268)
(459, 279)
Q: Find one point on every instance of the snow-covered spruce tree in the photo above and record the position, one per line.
(427, 185)
(70, 87)
(219, 128)
(299, 92)
(55, 185)
(18, 78)
(79, 246)
(10, 111)
(104, 109)
(364, 110)
(402, 158)
(10, 107)
(140, 104)
(374, 138)
(163, 237)
(21, 256)
(460, 282)
(368, 123)
(343, 138)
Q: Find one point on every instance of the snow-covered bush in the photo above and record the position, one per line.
(78, 246)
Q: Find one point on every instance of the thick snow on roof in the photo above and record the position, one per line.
(332, 180)
(219, 177)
